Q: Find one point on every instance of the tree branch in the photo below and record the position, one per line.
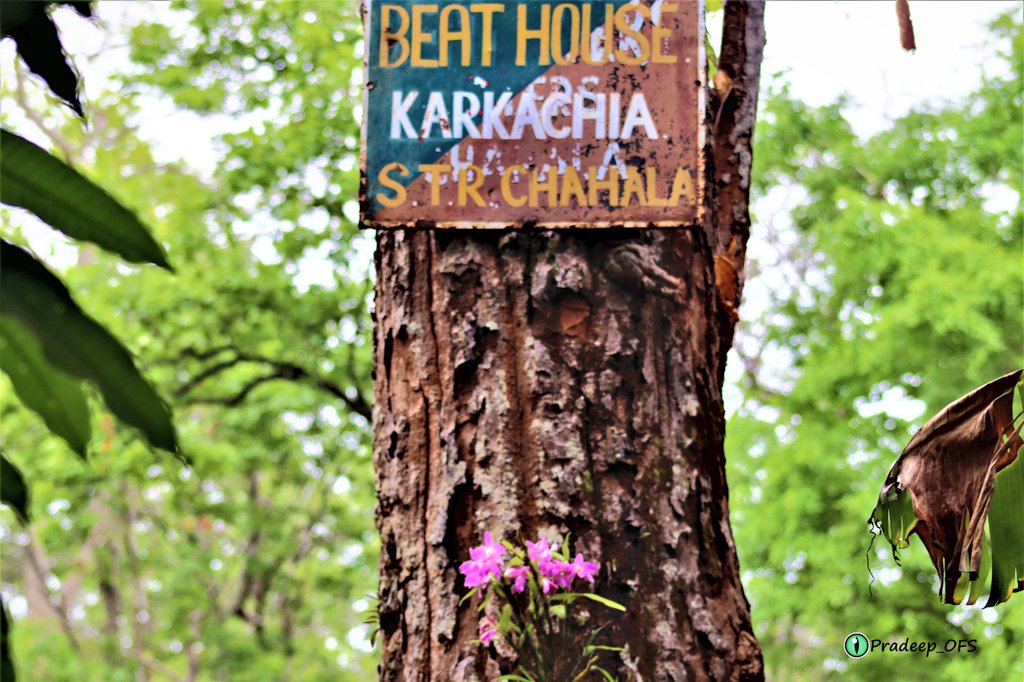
(194, 619)
(281, 370)
(38, 561)
(252, 547)
(243, 393)
(21, 97)
(196, 354)
(205, 374)
(140, 602)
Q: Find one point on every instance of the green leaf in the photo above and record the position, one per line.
(601, 647)
(607, 675)
(569, 596)
(38, 44)
(513, 676)
(712, 57)
(586, 669)
(558, 611)
(505, 622)
(527, 674)
(894, 513)
(469, 595)
(6, 664)
(712, 6)
(49, 392)
(78, 345)
(13, 491)
(984, 570)
(1007, 532)
(32, 179)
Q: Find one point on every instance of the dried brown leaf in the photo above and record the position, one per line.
(906, 26)
(949, 466)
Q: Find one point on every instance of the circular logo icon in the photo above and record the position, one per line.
(856, 645)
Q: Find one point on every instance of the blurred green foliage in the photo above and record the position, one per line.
(889, 280)
(256, 562)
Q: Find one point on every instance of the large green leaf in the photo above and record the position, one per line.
(6, 665)
(979, 583)
(51, 393)
(28, 22)
(78, 345)
(38, 182)
(1006, 528)
(13, 491)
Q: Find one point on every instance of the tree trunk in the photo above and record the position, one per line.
(535, 382)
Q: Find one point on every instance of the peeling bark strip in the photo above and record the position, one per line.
(733, 109)
(554, 382)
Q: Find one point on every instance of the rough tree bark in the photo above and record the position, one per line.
(548, 382)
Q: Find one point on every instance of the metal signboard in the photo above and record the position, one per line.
(546, 113)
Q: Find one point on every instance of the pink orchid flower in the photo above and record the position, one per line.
(488, 631)
(519, 575)
(583, 569)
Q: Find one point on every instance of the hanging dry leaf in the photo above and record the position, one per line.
(959, 471)
(906, 26)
